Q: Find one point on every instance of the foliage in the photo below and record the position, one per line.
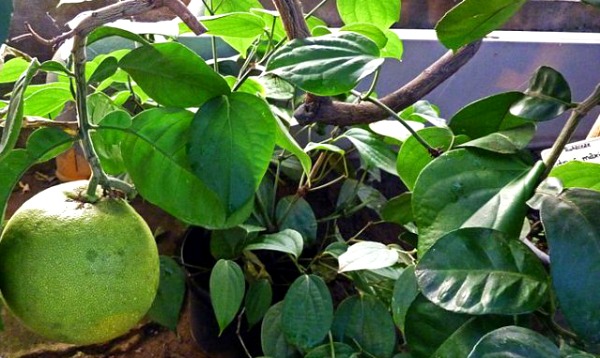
(213, 142)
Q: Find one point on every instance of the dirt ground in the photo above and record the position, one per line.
(147, 340)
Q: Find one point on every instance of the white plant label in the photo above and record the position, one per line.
(584, 151)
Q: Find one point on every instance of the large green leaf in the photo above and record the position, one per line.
(365, 321)
(368, 30)
(258, 300)
(482, 271)
(345, 57)
(238, 24)
(508, 141)
(383, 13)
(14, 115)
(374, 152)
(405, 292)
(295, 213)
(471, 20)
(6, 9)
(169, 297)
(573, 232)
(307, 312)
(46, 101)
(42, 144)
(514, 341)
(288, 241)
(547, 97)
(456, 185)
(487, 115)
(227, 286)
(12, 69)
(272, 339)
(231, 142)
(578, 175)
(156, 143)
(413, 157)
(173, 75)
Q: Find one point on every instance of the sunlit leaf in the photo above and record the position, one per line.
(288, 241)
(577, 174)
(383, 13)
(368, 30)
(367, 255)
(237, 24)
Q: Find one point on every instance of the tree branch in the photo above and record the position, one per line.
(293, 19)
(347, 114)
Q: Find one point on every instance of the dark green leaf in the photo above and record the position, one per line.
(573, 232)
(54, 66)
(238, 24)
(14, 115)
(173, 75)
(383, 13)
(307, 312)
(171, 291)
(42, 145)
(471, 20)
(6, 9)
(333, 350)
(258, 300)
(547, 97)
(229, 243)
(108, 31)
(353, 189)
(482, 271)
(227, 286)
(288, 241)
(364, 320)
(155, 143)
(517, 342)
(295, 213)
(508, 141)
(595, 3)
(345, 57)
(413, 157)
(273, 341)
(405, 292)
(231, 142)
(105, 69)
(578, 175)
(452, 188)
(374, 152)
(487, 116)
(398, 209)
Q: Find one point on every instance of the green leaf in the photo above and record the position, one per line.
(547, 97)
(345, 57)
(295, 213)
(237, 24)
(173, 75)
(573, 232)
(482, 271)
(108, 31)
(227, 6)
(227, 286)
(513, 341)
(272, 340)
(394, 48)
(46, 101)
(288, 241)
(508, 141)
(108, 143)
(374, 152)
(333, 350)
(405, 292)
(6, 9)
(307, 312)
(250, 85)
(229, 243)
(367, 255)
(595, 3)
(577, 174)
(232, 139)
(12, 69)
(105, 69)
(413, 157)
(169, 297)
(487, 115)
(452, 188)
(14, 115)
(365, 321)
(285, 140)
(155, 143)
(43, 144)
(382, 14)
(471, 20)
(258, 300)
(398, 209)
(368, 30)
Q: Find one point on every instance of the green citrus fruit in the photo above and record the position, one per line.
(77, 272)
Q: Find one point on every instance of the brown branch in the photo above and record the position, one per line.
(347, 114)
(292, 18)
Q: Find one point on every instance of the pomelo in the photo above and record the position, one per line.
(77, 272)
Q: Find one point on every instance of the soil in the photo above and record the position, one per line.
(147, 340)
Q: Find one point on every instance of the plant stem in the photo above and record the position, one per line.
(434, 152)
(577, 114)
(315, 9)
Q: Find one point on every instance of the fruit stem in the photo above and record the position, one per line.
(98, 177)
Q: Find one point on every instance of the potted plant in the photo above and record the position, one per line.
(469, 275)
